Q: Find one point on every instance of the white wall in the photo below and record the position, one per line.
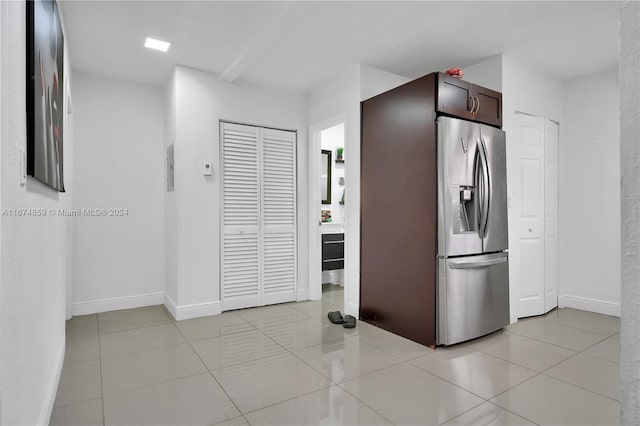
(119, 164)
(630, 171)
(487, 73)
(202, 100)
(170, 206)
(527, 90)
(331, 139)
(590, 200)
(33, 250)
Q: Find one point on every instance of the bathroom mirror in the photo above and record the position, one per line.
(325, 177)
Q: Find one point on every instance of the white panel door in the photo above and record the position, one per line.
(531, 221)
(258, 216)
(279, 215)
(241, 240)
(550, 215)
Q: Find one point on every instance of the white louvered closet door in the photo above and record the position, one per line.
(258, 213)
(240, 261)
(278, 215)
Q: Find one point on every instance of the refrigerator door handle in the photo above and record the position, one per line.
(476, 264)
(486, 197)
(482, 185)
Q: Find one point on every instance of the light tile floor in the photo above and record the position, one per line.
(287, 365)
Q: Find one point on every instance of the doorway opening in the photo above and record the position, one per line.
(327, 212)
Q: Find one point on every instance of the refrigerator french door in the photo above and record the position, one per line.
(473, 264)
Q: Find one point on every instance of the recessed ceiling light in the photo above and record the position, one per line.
(152, 43)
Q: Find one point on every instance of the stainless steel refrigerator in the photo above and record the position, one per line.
(473, 262)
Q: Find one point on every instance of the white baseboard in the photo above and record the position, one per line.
(116, 303)
(587, 304)
(52, 388)
(171, 305)
(352, 309)
(196, 310)
(303, 295)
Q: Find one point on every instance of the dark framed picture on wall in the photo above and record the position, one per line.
(45, 93)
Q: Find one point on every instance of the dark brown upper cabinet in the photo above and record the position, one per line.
(465, 100)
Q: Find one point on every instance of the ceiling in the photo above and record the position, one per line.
(298, 45)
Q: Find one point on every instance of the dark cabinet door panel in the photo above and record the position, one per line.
(332, 250)
(399, 210)
(454, 96)
(330, 265)
(489, 108)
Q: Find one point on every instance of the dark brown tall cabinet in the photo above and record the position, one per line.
(398, 234)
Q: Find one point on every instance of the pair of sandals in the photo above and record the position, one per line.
(348, 321)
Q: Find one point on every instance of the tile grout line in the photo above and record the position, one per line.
(580, 387)
(104, 420)
(212, 376)
(492, 403)
(290, 352)
(548, 343)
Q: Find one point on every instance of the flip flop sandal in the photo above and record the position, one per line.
(335, 317)
(349, 321)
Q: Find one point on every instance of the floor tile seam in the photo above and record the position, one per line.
(581, 387)
(77, 403)
(136, 328)
(180, 377)
(313, 368)
(597, 343)
(299, 311)
(73, 363)
(223, 335)
(499, 406)
(365, 404)
(80, 328)
(139, 328)
(511, 388)
(288, 323)
(353, 378)
(233, 311)
(350, 337)
(466, 411)
(104, 418)
(579, 328)
(432, 351)
(288, 399)
(137, 318)
(576, 328)
(143, 350)
(464, 389)
(71, 337)
(598, 357)
(473, 349)
(337, 339)
(245, 362)
(529, 368)
(161, 382)
(272, 340)
(543, 341)
(560, 362)
(212, 376)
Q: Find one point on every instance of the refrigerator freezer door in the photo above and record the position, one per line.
(473, 297)
(496, 237)
(457, 191)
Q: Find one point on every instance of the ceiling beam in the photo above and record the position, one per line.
(274, 31)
